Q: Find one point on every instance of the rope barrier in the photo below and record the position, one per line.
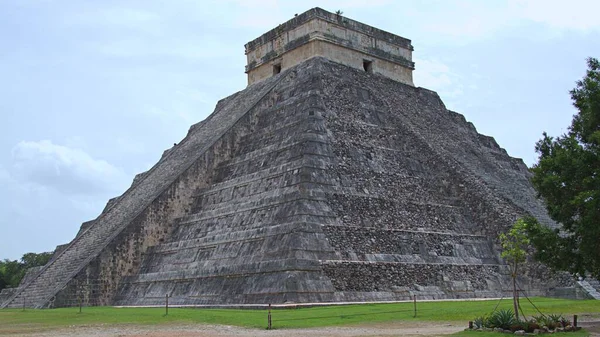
(343, 315)
(524, 294)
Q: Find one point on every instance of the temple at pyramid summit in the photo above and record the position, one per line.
(330, 178)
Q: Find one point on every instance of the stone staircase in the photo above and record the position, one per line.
(39, 291)
(591, 286)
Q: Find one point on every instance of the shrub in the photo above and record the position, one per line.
(527, 326)
(517, 326)
(480, 322)
(541, 320)
(553, 321)
(532, 326)
(502, 319)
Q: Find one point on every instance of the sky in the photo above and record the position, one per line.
(92, 92)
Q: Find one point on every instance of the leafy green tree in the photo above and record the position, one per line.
(30, 260)
(2, 281)
(514, 250)
(12, 272)
(567, 176)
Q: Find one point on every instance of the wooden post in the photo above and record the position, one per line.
(575, 321)
(415, 304)
(269, 326)
(515, 292)
(471, 325)
(166, 304)
(79, 294)
(23, 302)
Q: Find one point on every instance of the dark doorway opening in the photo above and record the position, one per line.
(276, 68)
(368, 66)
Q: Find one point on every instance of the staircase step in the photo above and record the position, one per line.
(87, 245)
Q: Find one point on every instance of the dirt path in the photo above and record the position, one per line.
(201, 330)
(593, 327)
(204, 330)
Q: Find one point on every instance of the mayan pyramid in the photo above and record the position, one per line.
(331, 177)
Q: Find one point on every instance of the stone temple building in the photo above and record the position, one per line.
(330, 178)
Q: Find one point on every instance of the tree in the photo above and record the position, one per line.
(514, 250)
(30, 260)
(2, 280)
(12, 272)
(567, 177)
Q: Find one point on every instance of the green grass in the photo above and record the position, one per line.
(463, 311)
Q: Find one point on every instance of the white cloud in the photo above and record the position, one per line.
(4, 176)
(202, 48)
(358, 3)
(65, 169)
(267, 14)
(18, 196)
(463, 20)
(573, 14)
(129, 145)
(437, 76)
(125, 18)
(258, 14)
(186, 105)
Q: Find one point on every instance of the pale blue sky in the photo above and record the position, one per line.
(92, 92)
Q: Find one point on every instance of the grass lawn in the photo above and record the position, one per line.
(451, 311)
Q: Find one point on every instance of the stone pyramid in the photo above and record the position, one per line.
(330, 178)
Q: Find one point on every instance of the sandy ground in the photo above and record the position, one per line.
(592, 327)
(204, 330)
(201, 330)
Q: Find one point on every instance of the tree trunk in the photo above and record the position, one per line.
(515, 293)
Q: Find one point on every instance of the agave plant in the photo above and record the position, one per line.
(480, 322)
(541, 320)
(502, 319)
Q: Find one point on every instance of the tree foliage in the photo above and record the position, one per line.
(12, 272)
(514, 249)
(515, 242)
(567, 176)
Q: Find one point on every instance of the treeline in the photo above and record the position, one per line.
(12, 272)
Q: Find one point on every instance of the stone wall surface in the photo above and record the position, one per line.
(323, 183)
(343, 40)
(7, 293)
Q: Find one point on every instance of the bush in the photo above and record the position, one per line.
(554, 321)
(564, 322)
(527, 326)
(502, 319)
(480, 322)
(532, 326)
(506, 320)
(517, 326)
